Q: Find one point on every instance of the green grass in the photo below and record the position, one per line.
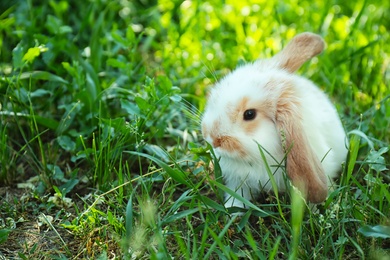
(101, 154)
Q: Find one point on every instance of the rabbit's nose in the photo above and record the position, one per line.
(217, 142)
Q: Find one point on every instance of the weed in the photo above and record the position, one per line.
(99, 109)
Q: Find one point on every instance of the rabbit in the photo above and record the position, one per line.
(264, 105)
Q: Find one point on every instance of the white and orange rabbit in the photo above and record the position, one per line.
(264, 104)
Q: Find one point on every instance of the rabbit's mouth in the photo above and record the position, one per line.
(228, 145)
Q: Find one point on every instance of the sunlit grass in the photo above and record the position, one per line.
(100, 105)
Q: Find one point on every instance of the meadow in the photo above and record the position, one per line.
(101, 152)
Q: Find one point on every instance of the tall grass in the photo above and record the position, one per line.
(100, 104)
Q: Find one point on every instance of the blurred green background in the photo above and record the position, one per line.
(82, 83)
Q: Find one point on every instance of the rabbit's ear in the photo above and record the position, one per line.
(303, 167)
(300, 49)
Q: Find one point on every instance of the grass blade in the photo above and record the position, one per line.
(354, 145)
(177, 175)
(379, 231)
(242, 199)
(42, 75)
(297, 210)
(129, 217)
(217, 239)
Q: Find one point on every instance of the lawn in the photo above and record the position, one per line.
(101, 152)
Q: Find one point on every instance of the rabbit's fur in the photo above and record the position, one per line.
(263, 104)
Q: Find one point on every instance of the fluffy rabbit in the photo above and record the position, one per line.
(263, 104)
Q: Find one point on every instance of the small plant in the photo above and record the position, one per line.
(100, 148)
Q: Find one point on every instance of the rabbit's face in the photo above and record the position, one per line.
(240, 115)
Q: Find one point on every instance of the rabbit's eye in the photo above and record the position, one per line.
(249, 114)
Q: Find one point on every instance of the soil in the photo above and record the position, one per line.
(30, 235)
